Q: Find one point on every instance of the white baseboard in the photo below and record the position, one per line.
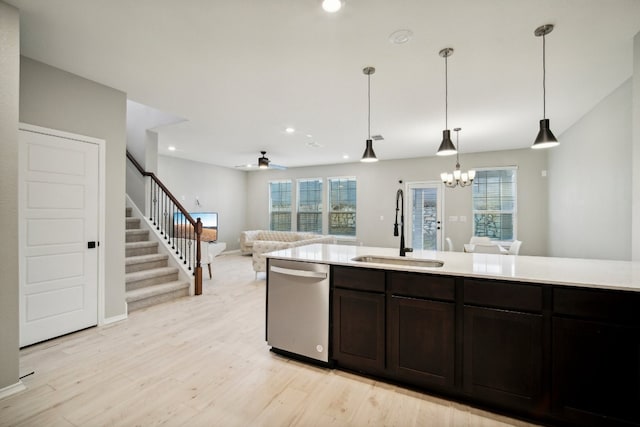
(115, 319)
(12, 389)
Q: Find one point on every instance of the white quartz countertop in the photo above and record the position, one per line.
(604, 274)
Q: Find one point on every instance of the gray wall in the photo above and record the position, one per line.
(378, 183)
(142, 144)
(56, 99)
(9, 91)
(218, 189)
(589, 183)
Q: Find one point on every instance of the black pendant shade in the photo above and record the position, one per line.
(545, 138)
(369, 155)
(446, 146)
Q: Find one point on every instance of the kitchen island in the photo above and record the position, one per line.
(555, 340)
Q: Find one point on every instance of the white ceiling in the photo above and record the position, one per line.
(240, 71)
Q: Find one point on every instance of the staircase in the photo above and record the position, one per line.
(149, 279)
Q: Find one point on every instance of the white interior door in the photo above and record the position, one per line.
(58, 218)
(424, 223)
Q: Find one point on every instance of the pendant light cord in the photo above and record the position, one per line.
(457, 149)
(544, 78)
(446, 93)
(369, 105)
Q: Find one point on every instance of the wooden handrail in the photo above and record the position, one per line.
(196, 224)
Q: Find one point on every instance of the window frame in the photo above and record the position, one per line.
(330, 211)
(513, 212)
(321, 204)
(281, 181)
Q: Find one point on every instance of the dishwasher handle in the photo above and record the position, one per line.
(299, 273)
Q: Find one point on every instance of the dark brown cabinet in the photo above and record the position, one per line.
(557, 354)
(421, 331)
(503, 344)
(596, 357)
(359, 319)
(503, 357)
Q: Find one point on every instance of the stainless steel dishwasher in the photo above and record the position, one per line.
(298, 308)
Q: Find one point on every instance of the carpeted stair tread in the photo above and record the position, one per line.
(148, 274)
(139, 259)
(146, 244)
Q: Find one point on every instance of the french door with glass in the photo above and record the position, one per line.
(424, 228)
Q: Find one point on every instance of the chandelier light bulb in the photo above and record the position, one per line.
(331, 6)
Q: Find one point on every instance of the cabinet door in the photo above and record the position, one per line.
(358, 330)
(502, 360)
(421, 341)
(596, 372)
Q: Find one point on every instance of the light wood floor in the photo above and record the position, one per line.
(203, 361)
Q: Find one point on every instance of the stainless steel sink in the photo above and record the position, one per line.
(412, 262)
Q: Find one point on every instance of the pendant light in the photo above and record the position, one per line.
(545, 138)
(369, 155)
(458, 177)
(446, 146)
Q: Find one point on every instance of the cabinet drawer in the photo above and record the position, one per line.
(361, 279)
(507, 295)
(423, 286)
(597, 304)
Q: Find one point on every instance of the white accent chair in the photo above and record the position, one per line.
(208, 250)
(514, 249)
(449, 244)
(479, 240)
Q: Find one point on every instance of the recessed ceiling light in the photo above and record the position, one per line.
(309, 136)
(400, 36)
(345, 156)
(289, 130)
(331, 6)
(171, 148)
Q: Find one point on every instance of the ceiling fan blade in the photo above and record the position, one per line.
(279, 167)
(246, 166)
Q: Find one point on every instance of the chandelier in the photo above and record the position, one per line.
(458, 177)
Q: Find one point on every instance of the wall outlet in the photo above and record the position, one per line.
(463, 218)
(453, 219)
(381, 217)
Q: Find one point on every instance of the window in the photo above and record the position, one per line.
(342, 206)
(280, 205)
(310, 205)
(494, 203)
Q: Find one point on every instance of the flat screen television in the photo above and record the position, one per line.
(209, 224)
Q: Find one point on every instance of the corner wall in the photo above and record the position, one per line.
(218, 189)
(9, 101)
(590, 187)
(56, 99)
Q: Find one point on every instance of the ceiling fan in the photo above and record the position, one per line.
(263, 163)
